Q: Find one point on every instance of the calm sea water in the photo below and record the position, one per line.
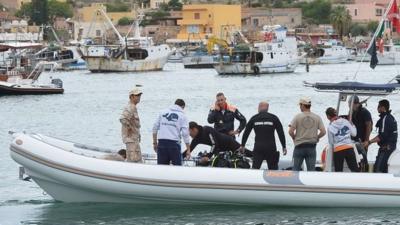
(88, 113)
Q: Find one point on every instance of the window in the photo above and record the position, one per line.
(292, 20)
(255, 22)
(98, 33)
(205, 30)
(209, 15)
(355, 12)
(378, 12)
(210, 30)
(197, 16)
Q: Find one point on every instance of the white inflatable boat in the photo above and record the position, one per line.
(72, 172)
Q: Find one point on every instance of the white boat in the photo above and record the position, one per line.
(390, 54)
(198, 59)
(276, 55)
(176, 56)
(71, 172)
(328, 52)
(132, 54)
(16, 85)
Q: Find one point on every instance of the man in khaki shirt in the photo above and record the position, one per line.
(306, 129)
(130, 130)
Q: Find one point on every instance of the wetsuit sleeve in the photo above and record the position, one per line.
(211, 133)
(211, 116)
(247, 131)
(281, 133)
(193, 144)
(242, 120)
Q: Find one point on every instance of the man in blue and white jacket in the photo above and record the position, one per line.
(340, 132)
(386, 138)
(170, 127)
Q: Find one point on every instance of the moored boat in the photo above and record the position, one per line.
(18, 85)
(328, 52)
(131, 54)
(278, 54)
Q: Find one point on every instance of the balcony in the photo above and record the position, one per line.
(193, 22)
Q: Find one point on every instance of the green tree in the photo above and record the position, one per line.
(26, 10)
(340, 20)
(117, 6)
(357, 29)
(372, 26)
(175, 5)
(40, 12)
(315, 12)
(125, 21)
(59, 9)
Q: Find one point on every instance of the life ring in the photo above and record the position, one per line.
(256, 70)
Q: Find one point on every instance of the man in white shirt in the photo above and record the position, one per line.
(340, 132)
(170, 127)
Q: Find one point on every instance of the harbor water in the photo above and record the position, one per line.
(89, 110)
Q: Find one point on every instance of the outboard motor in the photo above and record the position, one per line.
(398, 79)
(57, 82)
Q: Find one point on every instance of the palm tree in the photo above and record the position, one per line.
(341, 20)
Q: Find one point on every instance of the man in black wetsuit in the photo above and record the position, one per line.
(264, 125)
(223, 116)
(219, 142)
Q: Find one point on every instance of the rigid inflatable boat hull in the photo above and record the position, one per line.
(70, 177)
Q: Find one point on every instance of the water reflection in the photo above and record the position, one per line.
(63, 213)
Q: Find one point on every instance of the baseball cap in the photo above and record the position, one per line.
(305, 101)
(356, 99)
(136, 90)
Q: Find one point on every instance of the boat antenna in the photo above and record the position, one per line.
(381, 23)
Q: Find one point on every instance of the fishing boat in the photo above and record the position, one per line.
(326, 52)
(30, 85)
(198, 59)
(131, 54)
(17, 59)
(278, 54)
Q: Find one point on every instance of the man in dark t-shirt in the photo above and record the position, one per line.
(362, 119)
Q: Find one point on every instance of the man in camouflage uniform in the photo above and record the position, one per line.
(131, 127)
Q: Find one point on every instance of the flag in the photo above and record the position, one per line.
(380, 32)
(372, 52)
(393, 16)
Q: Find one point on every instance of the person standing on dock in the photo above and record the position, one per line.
(340, 132)
(306, 129)
(223, 116)
(170, 127)
(130, 130)
(386, 138)
(265, 124)
(361, 118)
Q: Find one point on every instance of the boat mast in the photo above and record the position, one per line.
(120, 38)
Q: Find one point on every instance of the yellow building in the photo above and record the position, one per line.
(85, 14)
(14, 4)
(203, 21)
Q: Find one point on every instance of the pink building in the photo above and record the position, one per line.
(367, 10)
